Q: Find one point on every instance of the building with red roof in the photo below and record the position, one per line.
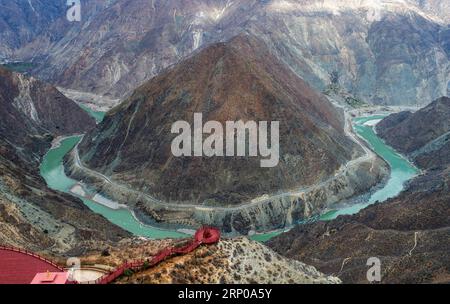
(54, 278)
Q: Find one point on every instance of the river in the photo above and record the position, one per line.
(401, 171)
(52, 171)
(97, 115)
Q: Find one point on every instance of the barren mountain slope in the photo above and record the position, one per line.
(238, 80)
(31, 215)
(382, 50)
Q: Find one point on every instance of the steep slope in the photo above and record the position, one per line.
(30, 28)
(424, 135)
(31, 215)
(382, 50)
(32, 112)
(23, 21)
(231, 261)
(435, 7)
(128, 157)
(36, 218)
(238, 80)
(410, 234)
(120, 44)
(377, 50)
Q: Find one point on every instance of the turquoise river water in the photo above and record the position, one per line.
(53, 172)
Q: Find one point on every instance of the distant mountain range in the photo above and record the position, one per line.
(385, 52)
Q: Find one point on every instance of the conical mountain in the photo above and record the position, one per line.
(232, 81)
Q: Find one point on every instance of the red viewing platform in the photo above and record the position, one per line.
(20, 266)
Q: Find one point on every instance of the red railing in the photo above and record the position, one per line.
(119, 271)
(205, 235)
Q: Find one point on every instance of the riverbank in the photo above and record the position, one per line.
(52, 171)
(402, 170)
(278, 211)
(93, 102)
(295, 204)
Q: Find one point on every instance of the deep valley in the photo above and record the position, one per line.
(318, 141)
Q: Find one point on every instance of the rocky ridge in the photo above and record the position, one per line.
(409, 233)
(31, 215)
(381, 49)
(424, 135)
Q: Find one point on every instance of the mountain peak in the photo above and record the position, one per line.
(237, 80)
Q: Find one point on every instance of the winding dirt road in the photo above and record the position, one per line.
(369, 155)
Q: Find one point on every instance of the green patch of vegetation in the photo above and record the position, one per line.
(335, 89)
(20, 67)
(355, 102)
(146, 265)
(332, 89)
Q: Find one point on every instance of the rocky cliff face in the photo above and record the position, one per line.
(22, 21)
(410, 234)
(41, 104)
(33, 112)
(265, 213)
(31, 215)
(39, 219)
(120, 44)
(381, 51)
(435, 7)
(373, 49)
(29, 28)
(423, 135)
